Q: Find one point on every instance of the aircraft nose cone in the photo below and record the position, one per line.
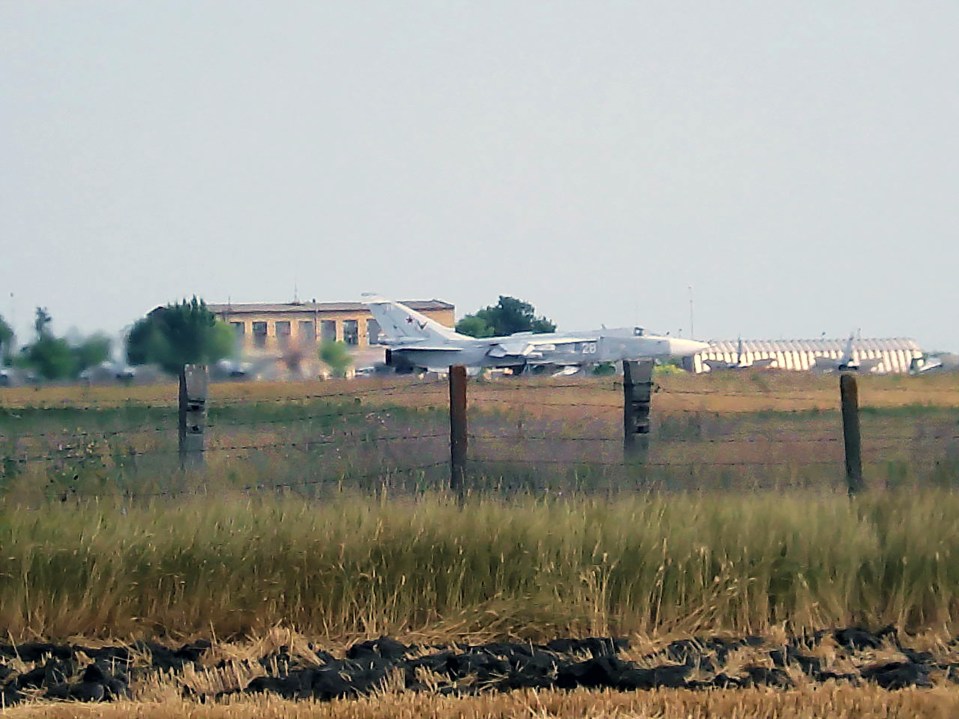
(685, 348)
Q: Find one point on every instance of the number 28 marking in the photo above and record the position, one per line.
(589, 348)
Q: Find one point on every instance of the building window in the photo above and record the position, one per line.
(283, 333)
(328, 330)
(239, 329)
(373, 332)
(307, 332)
(259, 334)
(351, 332)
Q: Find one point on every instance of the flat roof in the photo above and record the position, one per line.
(234, 308)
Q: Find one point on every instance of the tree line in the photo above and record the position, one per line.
(187, 332)
(49, 356)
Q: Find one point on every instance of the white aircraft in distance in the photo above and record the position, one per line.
(945, 362)
(847, 363)
(108, 371)
(740, 363)
(415, 342)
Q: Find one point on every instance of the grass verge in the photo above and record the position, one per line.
(523, 567)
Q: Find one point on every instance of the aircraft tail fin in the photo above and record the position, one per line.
(399, 323)
(848, 354)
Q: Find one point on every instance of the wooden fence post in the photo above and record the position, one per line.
(192, 415)
(852, 438)
(458, 436)
(637, 393)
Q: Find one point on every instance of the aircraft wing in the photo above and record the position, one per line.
(399, 341)
(763, 363)
(868, 365)
(716, 364)
(925, 364)
(518, 348)
(426, 348)
(528, 345)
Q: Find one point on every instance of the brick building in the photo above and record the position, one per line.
(269, 327)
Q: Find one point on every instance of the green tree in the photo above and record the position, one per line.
(52, 357)
(508, 316)
(336, 356)
(91, 351)
(6, 342)
(474, 327)
(177, 335)
(41, 324)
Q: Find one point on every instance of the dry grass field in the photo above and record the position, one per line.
(830, 702)
(724, 392)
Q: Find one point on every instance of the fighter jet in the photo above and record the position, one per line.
(107, 372)
(847, 363)
(415, 342)
(944, 362)
(740, 363)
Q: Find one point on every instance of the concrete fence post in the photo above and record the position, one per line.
(637, 394)
(192, 415)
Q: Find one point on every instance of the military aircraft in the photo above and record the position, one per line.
(847, 363)
(415, 342)
(12, 377)
(269, 366)
(945, 362)
(740, 363)
(107, 372)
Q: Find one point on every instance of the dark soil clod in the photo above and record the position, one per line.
(65, 672)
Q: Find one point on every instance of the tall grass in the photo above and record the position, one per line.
(525, 567)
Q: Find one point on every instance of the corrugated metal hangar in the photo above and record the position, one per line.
(894, 355)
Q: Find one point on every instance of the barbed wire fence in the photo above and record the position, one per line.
(469, 435)
(698, 449)
(359, 438)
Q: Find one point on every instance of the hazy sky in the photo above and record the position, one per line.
(797, 164)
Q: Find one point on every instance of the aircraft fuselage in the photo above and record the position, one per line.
(590, 350)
